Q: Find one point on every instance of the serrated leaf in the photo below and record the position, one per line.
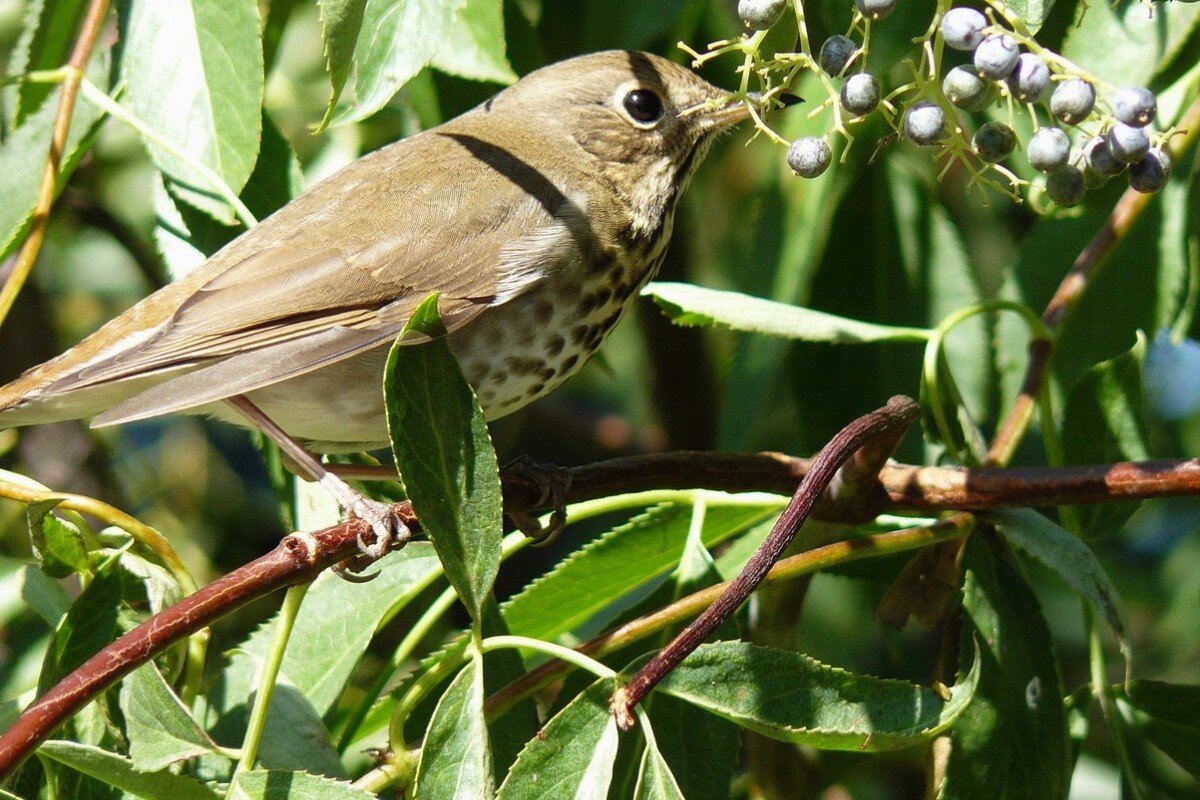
(194, 72)
(1127, 43)
(456, 758)
(655, 781)
(572, 757)
(336, 622)
(160, 730)
(1165, 713)
(1067, 557)
(57, 544)
(791, 697)
(1011, 740)
(279, 785)
(1103, 422)
(444, 453)
(341, 24)
(23, 155)
(45, 43)
(120, 773)
(475, 47)
(686, 304)
(629, 557)
(405, 35)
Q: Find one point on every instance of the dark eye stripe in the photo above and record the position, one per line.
(643, 105)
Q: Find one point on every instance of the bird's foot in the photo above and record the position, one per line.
(389, 532)
(554, 483)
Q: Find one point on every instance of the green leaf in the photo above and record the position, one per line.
(1032, 12)
(1165, 713)
(160, 730)
(444, 454)
(405, 35)
(686, 304)
(1125, 44)
(57, 544)
(572, 756)
(1103, 422)
(1011, 741)
(621, 561)
(279, 785)
(791, 697)
(655, 781)
(120, 773)
(90, 624)
(1067, 557)
(475, 47)
(46, 42)
(956, 431)
(336, 623)
(23, 156)
(44, 596)
(294, 736)
(341, 23)
(456, 759)
(194, 71)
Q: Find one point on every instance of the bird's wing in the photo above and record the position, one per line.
(340, 269)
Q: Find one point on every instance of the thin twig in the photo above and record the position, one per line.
(888, 423)
(1041, 353)
(58, 144)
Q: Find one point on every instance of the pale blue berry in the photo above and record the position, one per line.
(994, 141)
(996, 57)
(1135, 105)
(875, 10)
(925, 123)
(1150, 172)
(964, 88)
(809, 156)
(1066, 187)
(1100, 159)
(1030, 79)
(836, 53)
(962, 28)
(759, 15)
(860, 94)
(1049, 149)
(1127, 143)
(1073, 100)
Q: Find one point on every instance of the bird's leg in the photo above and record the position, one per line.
(389, 530)
(554, 482)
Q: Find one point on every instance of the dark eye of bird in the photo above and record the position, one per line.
(643, 105)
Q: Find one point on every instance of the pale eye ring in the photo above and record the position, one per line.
(643, 106)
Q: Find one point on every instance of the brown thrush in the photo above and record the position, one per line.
(538, 216)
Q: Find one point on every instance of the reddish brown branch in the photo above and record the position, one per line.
(299, 558)
(923, 489)
(873, 437)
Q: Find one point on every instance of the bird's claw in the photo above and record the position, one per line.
(389, 532)
(554, 484)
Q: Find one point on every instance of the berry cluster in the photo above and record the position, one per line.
(1113, 136)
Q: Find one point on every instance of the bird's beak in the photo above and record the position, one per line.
(722, 116)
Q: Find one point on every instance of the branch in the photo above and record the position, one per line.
(876, 434)
(58, 143)
(298, 558)
(1041, 352)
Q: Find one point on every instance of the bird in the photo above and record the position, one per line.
(537, 217)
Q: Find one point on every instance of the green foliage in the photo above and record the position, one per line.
(219, 113)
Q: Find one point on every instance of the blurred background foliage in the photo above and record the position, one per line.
(877, 238)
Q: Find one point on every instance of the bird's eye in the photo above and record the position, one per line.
(643, 106)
